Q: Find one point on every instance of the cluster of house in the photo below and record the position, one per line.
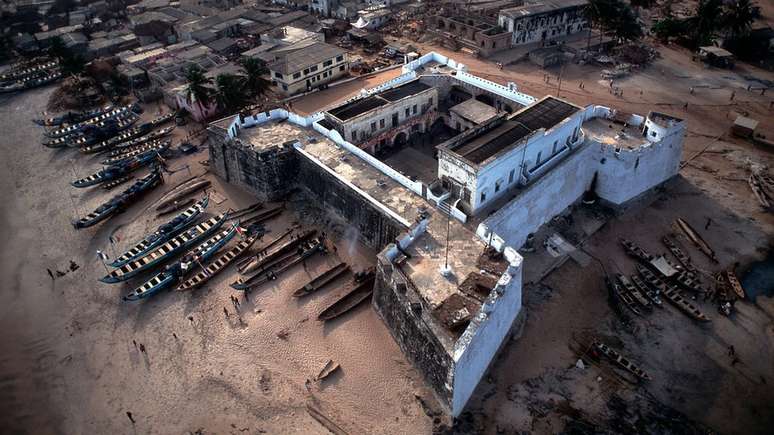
(154, 42)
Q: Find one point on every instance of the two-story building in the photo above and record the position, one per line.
(386, 118)
(544, 20)
(483, 163)
(306, 66)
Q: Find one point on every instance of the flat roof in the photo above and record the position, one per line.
(545, 113)
(542, 7)
(305, 56)
(359, 106)
(474, 111)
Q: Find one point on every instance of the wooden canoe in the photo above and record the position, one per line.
(186, 190)
(218, 265)
(620, 360)
(321, 280)
(352, 299)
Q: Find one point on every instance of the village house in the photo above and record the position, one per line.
(544, 20)
(306, 66)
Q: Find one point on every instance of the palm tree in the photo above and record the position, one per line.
(230, 94)
(198, 91)
(738, 18)
(57, 48)
(706, 22)
(254, 70)
(73, 64)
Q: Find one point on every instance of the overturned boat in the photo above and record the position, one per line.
(164, 232)
(218, 265)
(121, 201)
(179, 269)
(166, 251)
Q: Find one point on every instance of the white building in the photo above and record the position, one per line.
(543, 20)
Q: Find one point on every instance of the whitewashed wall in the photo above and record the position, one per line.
(478, 345)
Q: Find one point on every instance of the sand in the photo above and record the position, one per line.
(69, 365)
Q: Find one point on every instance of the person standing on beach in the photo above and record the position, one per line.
(129, 414)
(51, 274)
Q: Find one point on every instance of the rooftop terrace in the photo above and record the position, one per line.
(362, 105)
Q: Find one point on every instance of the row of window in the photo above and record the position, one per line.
(413, 110)
(314, 68)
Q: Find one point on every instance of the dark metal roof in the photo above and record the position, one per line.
(357, 107)
(545, 113)
(402, 91)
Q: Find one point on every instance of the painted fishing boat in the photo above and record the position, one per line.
(673, 295)
(681, 256)
(115, 171)
(113, 113)
(120, 201)
(18, 73)
(72, 117)
(135, 143)
(688, 281)
(635, 251)
(622, 296)
(110, 185)
(172, 197)
(218, 265)
(152, 152)
(165, 251)
(241, 264)
(163, 233)
(94, 133)
(632, 290)
(179, 269)
(268, 257)
(352, 299)
(734, 283)
(156, 146)
(31, 82)
(620, 360)
(127, 136)
(322, 280)
(651, 294)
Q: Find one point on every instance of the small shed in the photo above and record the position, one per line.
(744, 127)
(716, 56)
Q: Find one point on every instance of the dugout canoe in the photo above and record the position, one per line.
(163, 233)
(166, 251)
(322, 280)
(352, 299)
(154, 148)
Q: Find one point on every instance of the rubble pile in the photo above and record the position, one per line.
(75, 94)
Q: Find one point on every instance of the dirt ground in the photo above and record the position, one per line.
(69, 365)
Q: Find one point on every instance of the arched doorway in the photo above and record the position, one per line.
(399, 140)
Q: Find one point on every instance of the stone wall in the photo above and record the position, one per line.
(409, 322)
(269, 174)
(375, 228)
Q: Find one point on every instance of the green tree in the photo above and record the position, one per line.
(616, 17)
(230, 92)
(57, 48)
(738, 18)
(253, 70)
(198, 90)
(73, 64)
(706, 23)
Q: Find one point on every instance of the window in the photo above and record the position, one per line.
(381, 123)
(556, 143)
(414, 109)
(373, 126)
(483, 196)
(394, 119)
(498, 183)
(313, 69)
(278, 75)
(430, 101)
(354, 134)
(510, 176)
(408, 112)
(537, 160)
(306, 71)
(653, 133)
(327, 63)
(284, 87)
(341, 68)
(340, 58)
(296, 75)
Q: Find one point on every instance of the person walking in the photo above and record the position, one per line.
(129, 414)
(225, 311)
(142, 349)
(51, 274)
